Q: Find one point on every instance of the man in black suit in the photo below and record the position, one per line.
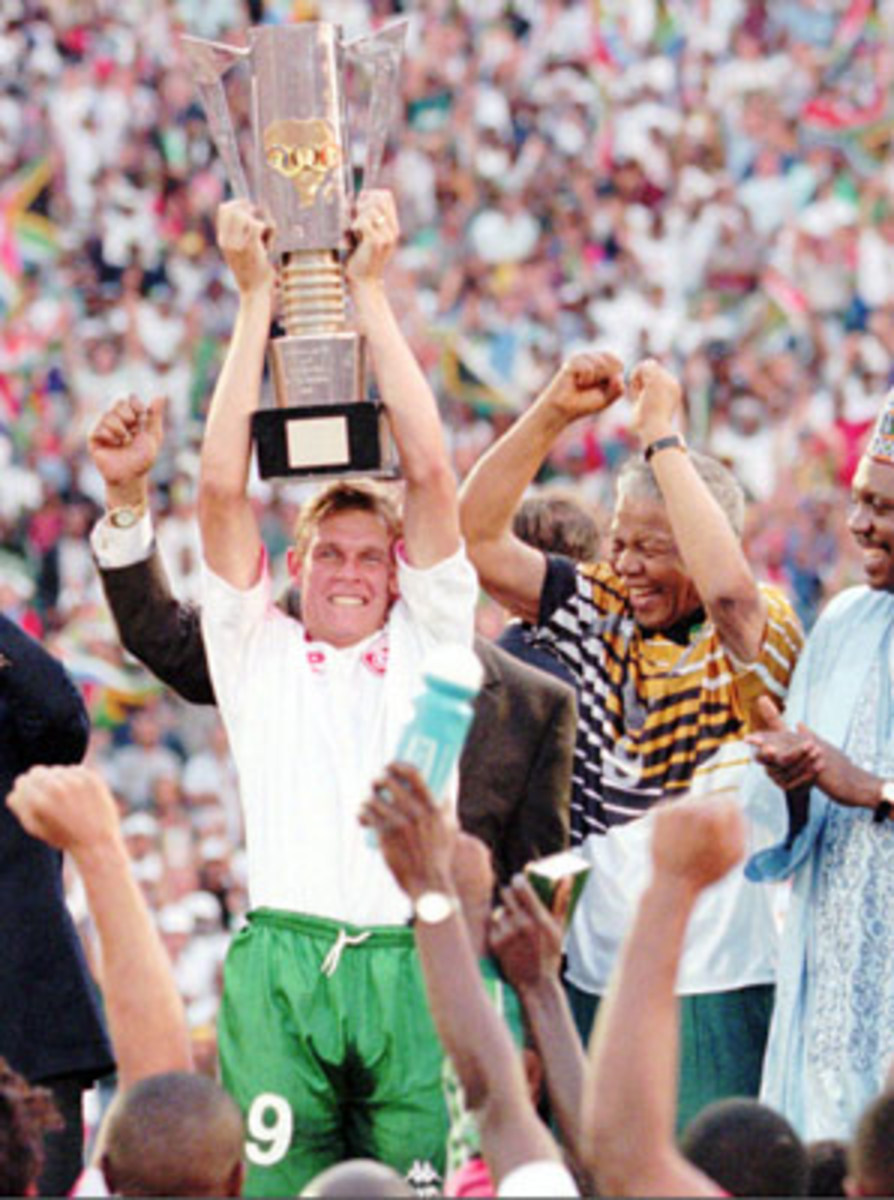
(515, 770)
(51, 1030)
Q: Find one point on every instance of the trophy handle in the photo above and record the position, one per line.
(211, 61)
(381, 54)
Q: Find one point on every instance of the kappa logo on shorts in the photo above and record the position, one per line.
(423, 1178)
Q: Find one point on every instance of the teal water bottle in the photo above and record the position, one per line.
(442, 713)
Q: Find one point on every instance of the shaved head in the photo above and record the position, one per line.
(359, 1177)
(176, 1134)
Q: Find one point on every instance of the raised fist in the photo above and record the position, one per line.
(587, 383)
(125, 441)
(657, 401)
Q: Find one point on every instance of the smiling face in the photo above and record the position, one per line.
(871, 521)
(643, 552)
(347, 577)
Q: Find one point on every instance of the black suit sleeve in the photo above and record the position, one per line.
(40, 701)
(515, 771)
(542, 818)
(161, 631)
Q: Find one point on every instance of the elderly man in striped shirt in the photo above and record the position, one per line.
(672, 642)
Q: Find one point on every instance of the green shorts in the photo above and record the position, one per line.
(722, 1041)
(334, 1063)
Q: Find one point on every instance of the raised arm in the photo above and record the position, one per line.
(164, 633)
(431, 520)
(417, 843)
(124, 443)
(527, 940)
(511, 571)
(231, 540)
(630, 1095)
(39, 700)
(711, 551)
(153, 625)
(73, 810)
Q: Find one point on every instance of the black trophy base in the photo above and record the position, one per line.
(323, 441)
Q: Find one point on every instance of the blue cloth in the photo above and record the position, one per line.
(832, 1032)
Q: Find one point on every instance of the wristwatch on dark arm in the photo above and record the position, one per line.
(885, 806)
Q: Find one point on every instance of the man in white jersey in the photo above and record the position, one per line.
(325, 1037)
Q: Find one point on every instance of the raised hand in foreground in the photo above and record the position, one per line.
(72, 809)
(416, 837)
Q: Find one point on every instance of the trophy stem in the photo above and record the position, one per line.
(312, 292)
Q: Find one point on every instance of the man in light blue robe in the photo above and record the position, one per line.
(832, 1033)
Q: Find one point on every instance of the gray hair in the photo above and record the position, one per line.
(636, 477)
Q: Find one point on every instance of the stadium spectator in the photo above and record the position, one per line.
(52, 1030)
(417, 841)
(827, 1167)
(168, 1132)
(870, 1157)
(172, 1134)
(27, 1115)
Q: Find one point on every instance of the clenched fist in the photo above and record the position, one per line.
(587, 383)
(243, 235)
(657, 402)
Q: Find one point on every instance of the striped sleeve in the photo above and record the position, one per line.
(771, 672)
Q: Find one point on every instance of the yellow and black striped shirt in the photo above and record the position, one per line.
(653, 707)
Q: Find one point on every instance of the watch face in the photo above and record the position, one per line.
(888, 791)
(434, 907)
(123, 518)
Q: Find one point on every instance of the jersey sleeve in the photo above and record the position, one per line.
(233, 621)
(577, 604)
(771, 672)
(559, 586)
(441, 599)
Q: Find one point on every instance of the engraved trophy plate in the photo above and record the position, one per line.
(322, 423)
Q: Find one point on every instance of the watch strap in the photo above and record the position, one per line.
(125, 516)
(671, 441)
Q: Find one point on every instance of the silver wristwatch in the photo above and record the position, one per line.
(431, 908)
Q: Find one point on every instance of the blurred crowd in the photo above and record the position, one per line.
(706, 181)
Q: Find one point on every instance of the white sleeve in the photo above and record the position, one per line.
(233, 621)
(541, 1178)
(441, 599)
(91, 1182)
(121, 547)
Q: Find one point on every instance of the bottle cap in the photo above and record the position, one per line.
(456, 665)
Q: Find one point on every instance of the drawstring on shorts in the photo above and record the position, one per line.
(329, 965)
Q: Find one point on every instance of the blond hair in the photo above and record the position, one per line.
(348, 495)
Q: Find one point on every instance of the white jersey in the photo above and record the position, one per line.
(310, 726)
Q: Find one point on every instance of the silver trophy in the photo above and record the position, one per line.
(323, 423)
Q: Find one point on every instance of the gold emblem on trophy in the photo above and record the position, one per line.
(305, 152)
